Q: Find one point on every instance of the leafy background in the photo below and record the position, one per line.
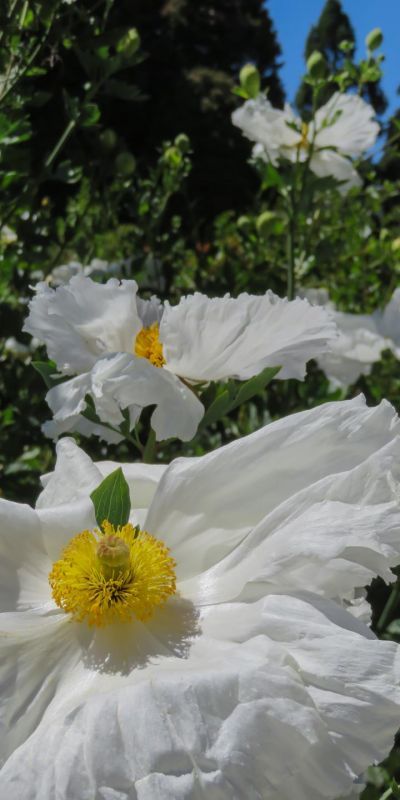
(116, 144)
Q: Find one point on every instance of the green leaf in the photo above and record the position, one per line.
(218, 408)
(111, 499)
(48, 371)
(394, 628)
(255, 385)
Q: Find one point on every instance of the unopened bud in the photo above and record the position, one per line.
(108, 139)
(182, 142)
(173, 156)
(244, 222)
(265, 222)
(374, 39)
(129, 43)
(125, 164)
(113, 555)
(316, 65)
(250, 80)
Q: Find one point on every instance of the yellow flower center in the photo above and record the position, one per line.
(304, 143)
(113, 575)
(148, 345)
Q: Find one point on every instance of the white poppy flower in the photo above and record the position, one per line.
(361, 341)
(129, 353)
(343, 128)
(247, 680)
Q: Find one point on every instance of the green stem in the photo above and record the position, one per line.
(63, 138)
(291, 259)
(389, 607)
(150, 448)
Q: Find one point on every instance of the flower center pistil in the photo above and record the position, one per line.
(113, 575)
(304, 143)
(148, 345)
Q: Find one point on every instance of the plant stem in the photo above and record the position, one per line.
(63, 138)
(389, 607)
(291, 259)
(150, 448)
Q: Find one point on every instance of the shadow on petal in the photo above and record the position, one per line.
(121, 648)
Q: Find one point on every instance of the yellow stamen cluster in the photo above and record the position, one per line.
(148, 345)
(113, 575)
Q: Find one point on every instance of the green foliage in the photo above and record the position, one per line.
(334, 37)
(111, 500)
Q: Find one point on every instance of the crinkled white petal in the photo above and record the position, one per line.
(81, 321)
(23, 558)
(268, 126)
(346, 122)
(361, 342)
(238, 694)
(212, 339)
(123, 381)
(150, 311)
(67, 402)
(388, 322)
(133, 382)
(309, 501)
(325, 163)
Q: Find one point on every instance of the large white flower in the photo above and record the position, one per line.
(129, 353)
(361, 341)
(342, 129)
(249, 681)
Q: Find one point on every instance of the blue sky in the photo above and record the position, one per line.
(293, 19)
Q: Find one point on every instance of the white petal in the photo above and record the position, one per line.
(289, 680)
(39, 659)
(150, 311)
(135, 382)
(75, 475)
(388, 321)
(358, 346)
(212, 339)
(353, 129)
(210, 507)
(83, 320)
(67, 402)
(262, 123)
(327, 163)
(23, 560)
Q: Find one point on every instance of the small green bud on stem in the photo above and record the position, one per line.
(250, 80)
(374, 39)
(316, 65)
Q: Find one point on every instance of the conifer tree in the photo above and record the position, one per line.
(333, 27)
(195, 51)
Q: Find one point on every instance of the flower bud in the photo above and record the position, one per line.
(265, 223)
(182, 142)
(125, 164)
(244, 223)
(374, 39)
(173, 156)
(108, 139)
(129, 43)
(316, 65)
(250, 80)
(113, 555)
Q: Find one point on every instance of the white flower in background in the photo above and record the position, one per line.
(234, 662)
(96, 269)
(17, 349)
(342, 129)
(361, 341)
(129, 353)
